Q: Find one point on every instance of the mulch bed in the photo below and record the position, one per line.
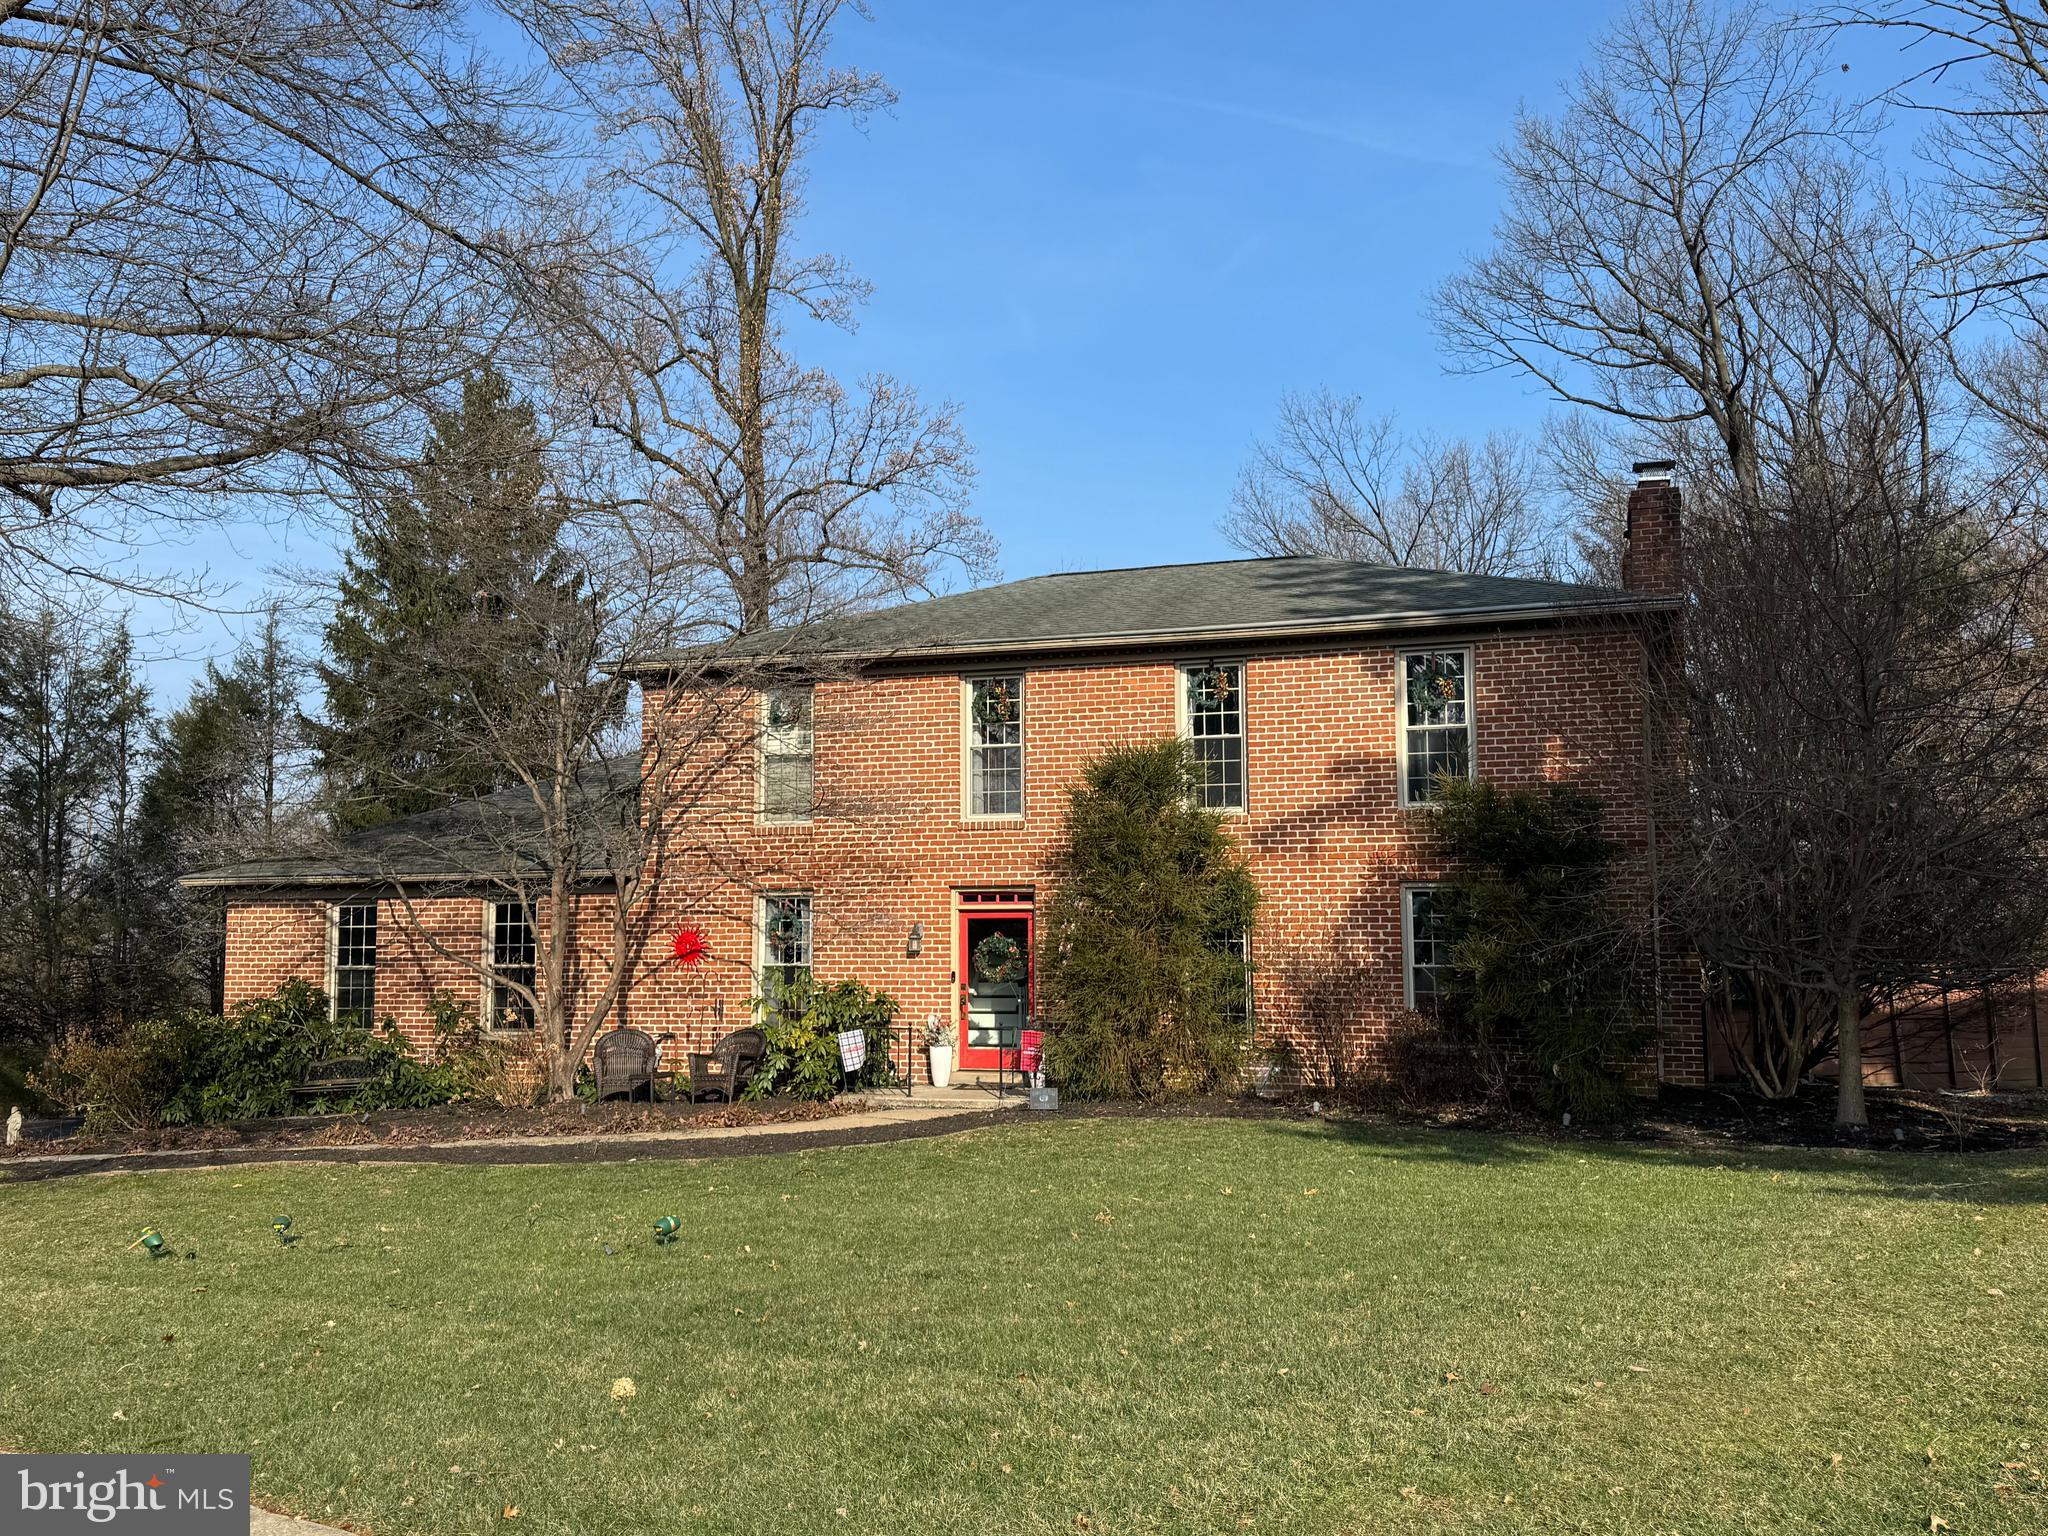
(1901, 1120)
(447, 1122)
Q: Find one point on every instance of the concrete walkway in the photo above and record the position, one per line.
(263, 1523)
(885, 1115)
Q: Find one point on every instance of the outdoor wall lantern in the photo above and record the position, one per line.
(914, 945)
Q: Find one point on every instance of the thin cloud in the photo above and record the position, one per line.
(1310, 127)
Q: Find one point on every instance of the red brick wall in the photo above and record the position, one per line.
(1323, 830)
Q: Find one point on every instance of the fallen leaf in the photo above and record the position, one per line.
(624, 1388)
(1452, 1376)
(511, 1511)
(1488, 1389)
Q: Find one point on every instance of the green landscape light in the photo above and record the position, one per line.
(666, 1229)
(281, 1225)
(150, 1242)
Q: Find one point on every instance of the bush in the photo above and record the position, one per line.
(194, 1068)
(803, 1020)
(1540, 965)
(122, 1083)
(1136, 966)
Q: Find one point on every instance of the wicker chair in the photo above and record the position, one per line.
(624, 1062)
(724, 1071)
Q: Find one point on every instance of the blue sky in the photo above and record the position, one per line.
(1116, 233)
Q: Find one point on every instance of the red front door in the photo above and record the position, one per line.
(996, 980)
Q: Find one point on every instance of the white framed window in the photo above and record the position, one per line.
(788, 762)
(1212, 721)
(784, 929)
(1239, 947)
(510, 951)
(1435, 708)
(995, 744)
(1423, 946)
(352, 962)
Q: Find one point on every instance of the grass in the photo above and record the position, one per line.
(1102, 1325)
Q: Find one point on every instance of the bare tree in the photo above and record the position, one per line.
(1651, 224)
(1335, 481)
(805, 495)
(602, 812)
(1864, 725)
(1978, 74)
(238, 239)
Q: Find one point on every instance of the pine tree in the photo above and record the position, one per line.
(416, 587)
(70, 707)
(222, 785)
(1141, 965)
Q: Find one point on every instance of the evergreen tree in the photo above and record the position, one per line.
(1542, 969)
(222, 785)
(423, 577)
(1141, 965)
(70, 708)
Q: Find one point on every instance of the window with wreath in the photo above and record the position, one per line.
(788, 771)
(1423, 944)
(1436, 721)
(785, 940)
(1213, 706)
(512, 951)
(995, 746)
(353, 992)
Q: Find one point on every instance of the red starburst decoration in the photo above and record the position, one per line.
(689, 946)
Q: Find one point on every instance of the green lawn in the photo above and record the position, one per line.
(1110, 1325)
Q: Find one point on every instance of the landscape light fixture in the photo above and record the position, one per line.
(281, 1225)
(150, 1242)
(666, 1231)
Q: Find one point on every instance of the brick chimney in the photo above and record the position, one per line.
(1651, 552)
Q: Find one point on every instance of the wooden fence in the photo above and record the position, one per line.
(1984, 1035)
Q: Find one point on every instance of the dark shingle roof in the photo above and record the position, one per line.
(1241, 599)
(470, 839)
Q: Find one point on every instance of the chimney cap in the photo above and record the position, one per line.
(1648, 470)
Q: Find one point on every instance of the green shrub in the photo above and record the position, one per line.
(1541, 966)
(125, 1082)
(1136, 966)
(195, 1069)
(802, 1021)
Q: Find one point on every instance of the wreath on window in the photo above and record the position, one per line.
(786, 924)
(998, 958)
(786, 710)
(1434, 684)
(1215, 687)
(995, 703)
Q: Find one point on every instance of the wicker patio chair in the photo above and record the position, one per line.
(624, 1062)
(724, 1071)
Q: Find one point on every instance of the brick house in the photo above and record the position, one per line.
(898, 807)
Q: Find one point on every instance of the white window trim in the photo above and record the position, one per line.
(333, 982)
(762, 957)
(333, 959)
(967, 684)
(1401, 718)
(491, 905)
(761, 756)
(1408, 892)
(1183, 723)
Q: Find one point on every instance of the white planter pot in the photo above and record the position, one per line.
(941, 1064)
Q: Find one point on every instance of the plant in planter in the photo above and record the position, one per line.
(938, 1045)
